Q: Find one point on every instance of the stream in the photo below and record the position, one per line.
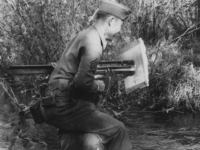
(148, 131)
(152, 131)
(164, 131)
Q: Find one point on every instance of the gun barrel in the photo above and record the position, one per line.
(125, 71)
(126, 66)
(30, 69)
(113, 67)
(119, 62)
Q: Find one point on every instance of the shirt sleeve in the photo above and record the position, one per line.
(90, 53)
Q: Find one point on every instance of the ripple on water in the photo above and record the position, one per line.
(4, 128)
(160, 132)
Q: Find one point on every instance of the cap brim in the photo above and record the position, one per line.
(115, 9)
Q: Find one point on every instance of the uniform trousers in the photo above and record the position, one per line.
(80, 116)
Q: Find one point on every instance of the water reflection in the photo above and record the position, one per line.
(164, 131)
(150, 131)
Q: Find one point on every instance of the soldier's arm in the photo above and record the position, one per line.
(89, 56)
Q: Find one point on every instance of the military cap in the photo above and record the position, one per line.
(114, 8)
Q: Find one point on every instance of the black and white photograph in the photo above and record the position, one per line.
(99, 74)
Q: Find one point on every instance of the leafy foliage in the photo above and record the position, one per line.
(37, 32)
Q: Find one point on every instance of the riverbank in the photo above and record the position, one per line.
(15, 135)
(33, 137)
(5, 128)
(164, 131)
(148, 131)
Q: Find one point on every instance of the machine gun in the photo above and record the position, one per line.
(123, 67)
(105, 69)
(132, 64)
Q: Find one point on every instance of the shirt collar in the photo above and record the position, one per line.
(103, 39)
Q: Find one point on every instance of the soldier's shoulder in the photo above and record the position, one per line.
(90, 34)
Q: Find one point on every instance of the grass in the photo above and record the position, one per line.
(174, 83)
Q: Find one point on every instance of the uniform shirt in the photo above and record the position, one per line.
(80, 59)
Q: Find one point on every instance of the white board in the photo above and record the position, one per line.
(136, 51)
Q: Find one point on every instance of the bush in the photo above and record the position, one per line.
(36, 32)
(173, 83)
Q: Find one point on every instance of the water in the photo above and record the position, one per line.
(164, 131)
(148, 131)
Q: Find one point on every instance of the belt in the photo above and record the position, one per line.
(59, 93)
(61, 84)
(48, 102)
(61, 103)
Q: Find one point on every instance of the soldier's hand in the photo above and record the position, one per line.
(99, 77)
(101, 85)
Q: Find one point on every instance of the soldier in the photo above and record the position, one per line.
(74, 88)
